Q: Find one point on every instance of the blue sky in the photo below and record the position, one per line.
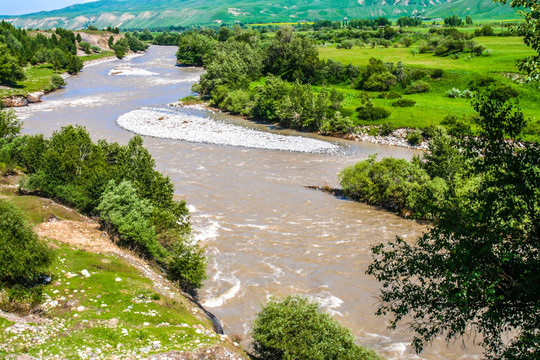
(17, 7)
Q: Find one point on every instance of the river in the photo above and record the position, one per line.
(265, 234)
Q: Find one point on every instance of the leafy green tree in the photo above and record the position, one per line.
(85, 46)
(126, 214)
(10, 125)
(10, 70)
(295, 328)
(192, 47)
(23, 257)
(292, 57)
(477, 269)
(79, 38)
(530, 30)
(110, 42)
(121, 48)
(468, 20)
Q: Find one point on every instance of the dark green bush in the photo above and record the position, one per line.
(386, 129)
(372, 113)
(417, 87)
(295, 328)
(414, 137)
(389, 95)
(23, 257)
(404, 103)
(437, 73)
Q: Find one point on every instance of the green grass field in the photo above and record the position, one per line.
(433, 106)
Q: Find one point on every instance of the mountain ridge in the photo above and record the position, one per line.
(162, 13)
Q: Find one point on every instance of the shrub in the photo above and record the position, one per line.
(186, 264)
(404, 103)
(389, 95)
(23, 257)
(10, 126)
(414, 137)
(502, 93)
(437, 73)
(372, 113)
(380, 82)
(122, 211)
(337, 124)
(20, 299)
(85, 46)
(458, 94)
(295, 328)
(57, 81)
(346, 44)
(386, 129)
(417, 87)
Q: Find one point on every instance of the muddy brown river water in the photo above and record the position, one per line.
(265, 234)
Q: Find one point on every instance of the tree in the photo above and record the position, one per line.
(10, 70)
(530, 30)
(192, 47)
(295, 328)
(121, 48)
(453, 20)
(23, 257)
(477, 269)
(10, 126)
(468, 20)
(79, 38)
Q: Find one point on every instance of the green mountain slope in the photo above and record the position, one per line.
(153, 13)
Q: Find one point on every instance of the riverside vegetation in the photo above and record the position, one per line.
(477, 267)
(404, 77)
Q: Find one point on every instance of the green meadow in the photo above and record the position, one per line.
(433, 106)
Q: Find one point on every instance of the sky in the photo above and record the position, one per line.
(18, 7)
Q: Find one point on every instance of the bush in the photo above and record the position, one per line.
(372, 113)
(295, 328)
(23, 257)
(186, 264)
(122, 211)
(57, 81)
(337, 124)
(458, 94)
(380, 82)
(417, 87)
(414, 137)
(10, 126)
(386, 129)
(404, 103)
(389, 95)
(19, 299)
(346, 44)
(85, 46)
(437, 73)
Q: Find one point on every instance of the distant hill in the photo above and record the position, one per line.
(155, 13)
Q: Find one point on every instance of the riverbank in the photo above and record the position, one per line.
(38, 78)
(397, 137)
(120, 305)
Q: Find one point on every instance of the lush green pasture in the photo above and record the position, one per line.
(431, 107)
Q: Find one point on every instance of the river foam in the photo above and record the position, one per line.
(172, 124)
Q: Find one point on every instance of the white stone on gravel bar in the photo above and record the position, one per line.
(171, 124)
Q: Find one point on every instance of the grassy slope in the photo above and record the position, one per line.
(434, 105)
(188, 12)
(110, 306)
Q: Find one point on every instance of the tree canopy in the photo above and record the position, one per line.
(478, 267)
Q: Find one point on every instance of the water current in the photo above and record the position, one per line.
(265, 234)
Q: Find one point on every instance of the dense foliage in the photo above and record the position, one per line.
(530, 30)
(477, 268)
(23, 257)
(18, 48)
(118, 183)
(295, 328)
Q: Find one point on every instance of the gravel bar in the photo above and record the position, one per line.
(173, 124)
